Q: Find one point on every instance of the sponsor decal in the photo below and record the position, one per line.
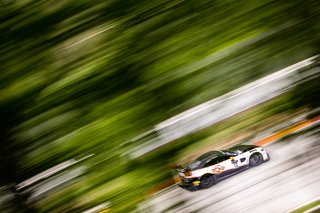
(218, 169)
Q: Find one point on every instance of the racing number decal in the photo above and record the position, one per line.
(235, 163)
(218, 169)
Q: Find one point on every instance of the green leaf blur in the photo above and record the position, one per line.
(83, 77)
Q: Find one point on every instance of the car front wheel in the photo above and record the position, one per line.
(207, 181)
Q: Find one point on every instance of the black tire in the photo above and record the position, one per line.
(255, 159)
(207, 181)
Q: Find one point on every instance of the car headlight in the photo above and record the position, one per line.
(188, 173)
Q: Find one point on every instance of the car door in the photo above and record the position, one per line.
(222, 166)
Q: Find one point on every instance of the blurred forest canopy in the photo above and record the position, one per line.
(81, 77)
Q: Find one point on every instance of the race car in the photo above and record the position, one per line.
(214, 166)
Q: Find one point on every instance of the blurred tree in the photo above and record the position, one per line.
(10, 161)
(82, 77)
(307, 93)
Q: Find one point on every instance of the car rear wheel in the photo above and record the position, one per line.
(207, 181)
(255, 159)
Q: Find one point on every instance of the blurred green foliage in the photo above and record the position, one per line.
(83, 77)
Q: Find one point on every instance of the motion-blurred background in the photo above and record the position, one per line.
(88, 89)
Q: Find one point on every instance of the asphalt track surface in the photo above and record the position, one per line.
(290, 179)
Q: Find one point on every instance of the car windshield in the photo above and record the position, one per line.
(194, 164)
(209, 155)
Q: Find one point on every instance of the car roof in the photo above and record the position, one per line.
(209, 155)
(242, 147)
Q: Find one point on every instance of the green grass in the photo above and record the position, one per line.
(307, 207)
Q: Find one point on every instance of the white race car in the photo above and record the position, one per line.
(214, 166)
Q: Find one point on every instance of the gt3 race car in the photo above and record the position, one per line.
(214, 166)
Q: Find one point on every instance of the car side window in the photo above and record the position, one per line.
(212, 162)
(216, 160)
(222, 158)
